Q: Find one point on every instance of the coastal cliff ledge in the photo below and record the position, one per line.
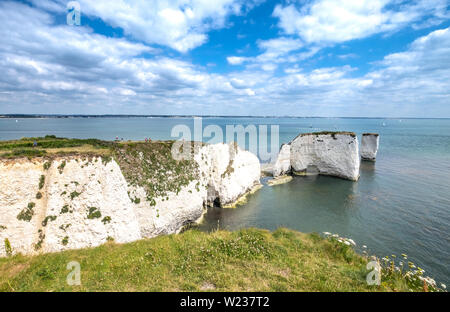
(70, 193)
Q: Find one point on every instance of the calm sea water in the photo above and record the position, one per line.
(401, 204)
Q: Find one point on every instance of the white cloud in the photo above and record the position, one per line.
(60, 69)
(179, 24)
(280, 45)
(347, 56)
(275, 51)
(415, 82)
(331, 21)
(236, 60)
(422, 73)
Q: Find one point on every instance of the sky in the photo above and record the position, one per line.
(329, 58)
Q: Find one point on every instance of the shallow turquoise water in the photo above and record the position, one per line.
(401, 204)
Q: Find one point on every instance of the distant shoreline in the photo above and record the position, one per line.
(36, 116)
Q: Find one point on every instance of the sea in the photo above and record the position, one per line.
(400, 205)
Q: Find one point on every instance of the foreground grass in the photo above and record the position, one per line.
(246, 260)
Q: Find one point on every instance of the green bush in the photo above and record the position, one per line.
(94, 213)
(61, 167)
(64, 209)
(27, 213)
(48, 218)
(41, 181)
(47, 165)
(74, 194)
(8, 248)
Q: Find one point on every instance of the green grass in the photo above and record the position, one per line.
(51, 141)
(29, 153)
(246, 260)
(50, 145)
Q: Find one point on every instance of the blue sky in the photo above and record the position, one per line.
(372, 58)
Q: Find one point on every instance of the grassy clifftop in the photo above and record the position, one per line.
(246, 260)
(50, 146)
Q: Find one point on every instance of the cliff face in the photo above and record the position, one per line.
(283, 162)
(70, 202)
(227, 172)
(334, 154)
(369, 146)
(74, 203)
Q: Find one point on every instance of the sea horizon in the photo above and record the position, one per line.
(18, 116)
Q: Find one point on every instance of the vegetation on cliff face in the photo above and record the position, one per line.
(27, 213)
(332, 133)
(370, 134)
(151, 166)
(246, 260)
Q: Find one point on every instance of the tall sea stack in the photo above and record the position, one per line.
(326, 153)
(369, 146)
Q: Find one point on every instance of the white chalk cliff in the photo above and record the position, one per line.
(228, 171)
(369, 146)
(70, 203)
(283, 163)
(334, 154)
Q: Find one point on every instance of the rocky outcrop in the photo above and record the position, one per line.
(227, 172)
(74, 202)
(369, 146)
(282, 165)
(327, 153)
(279, 180)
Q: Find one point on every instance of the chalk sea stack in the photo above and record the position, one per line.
(326, 153)
(369, 146)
